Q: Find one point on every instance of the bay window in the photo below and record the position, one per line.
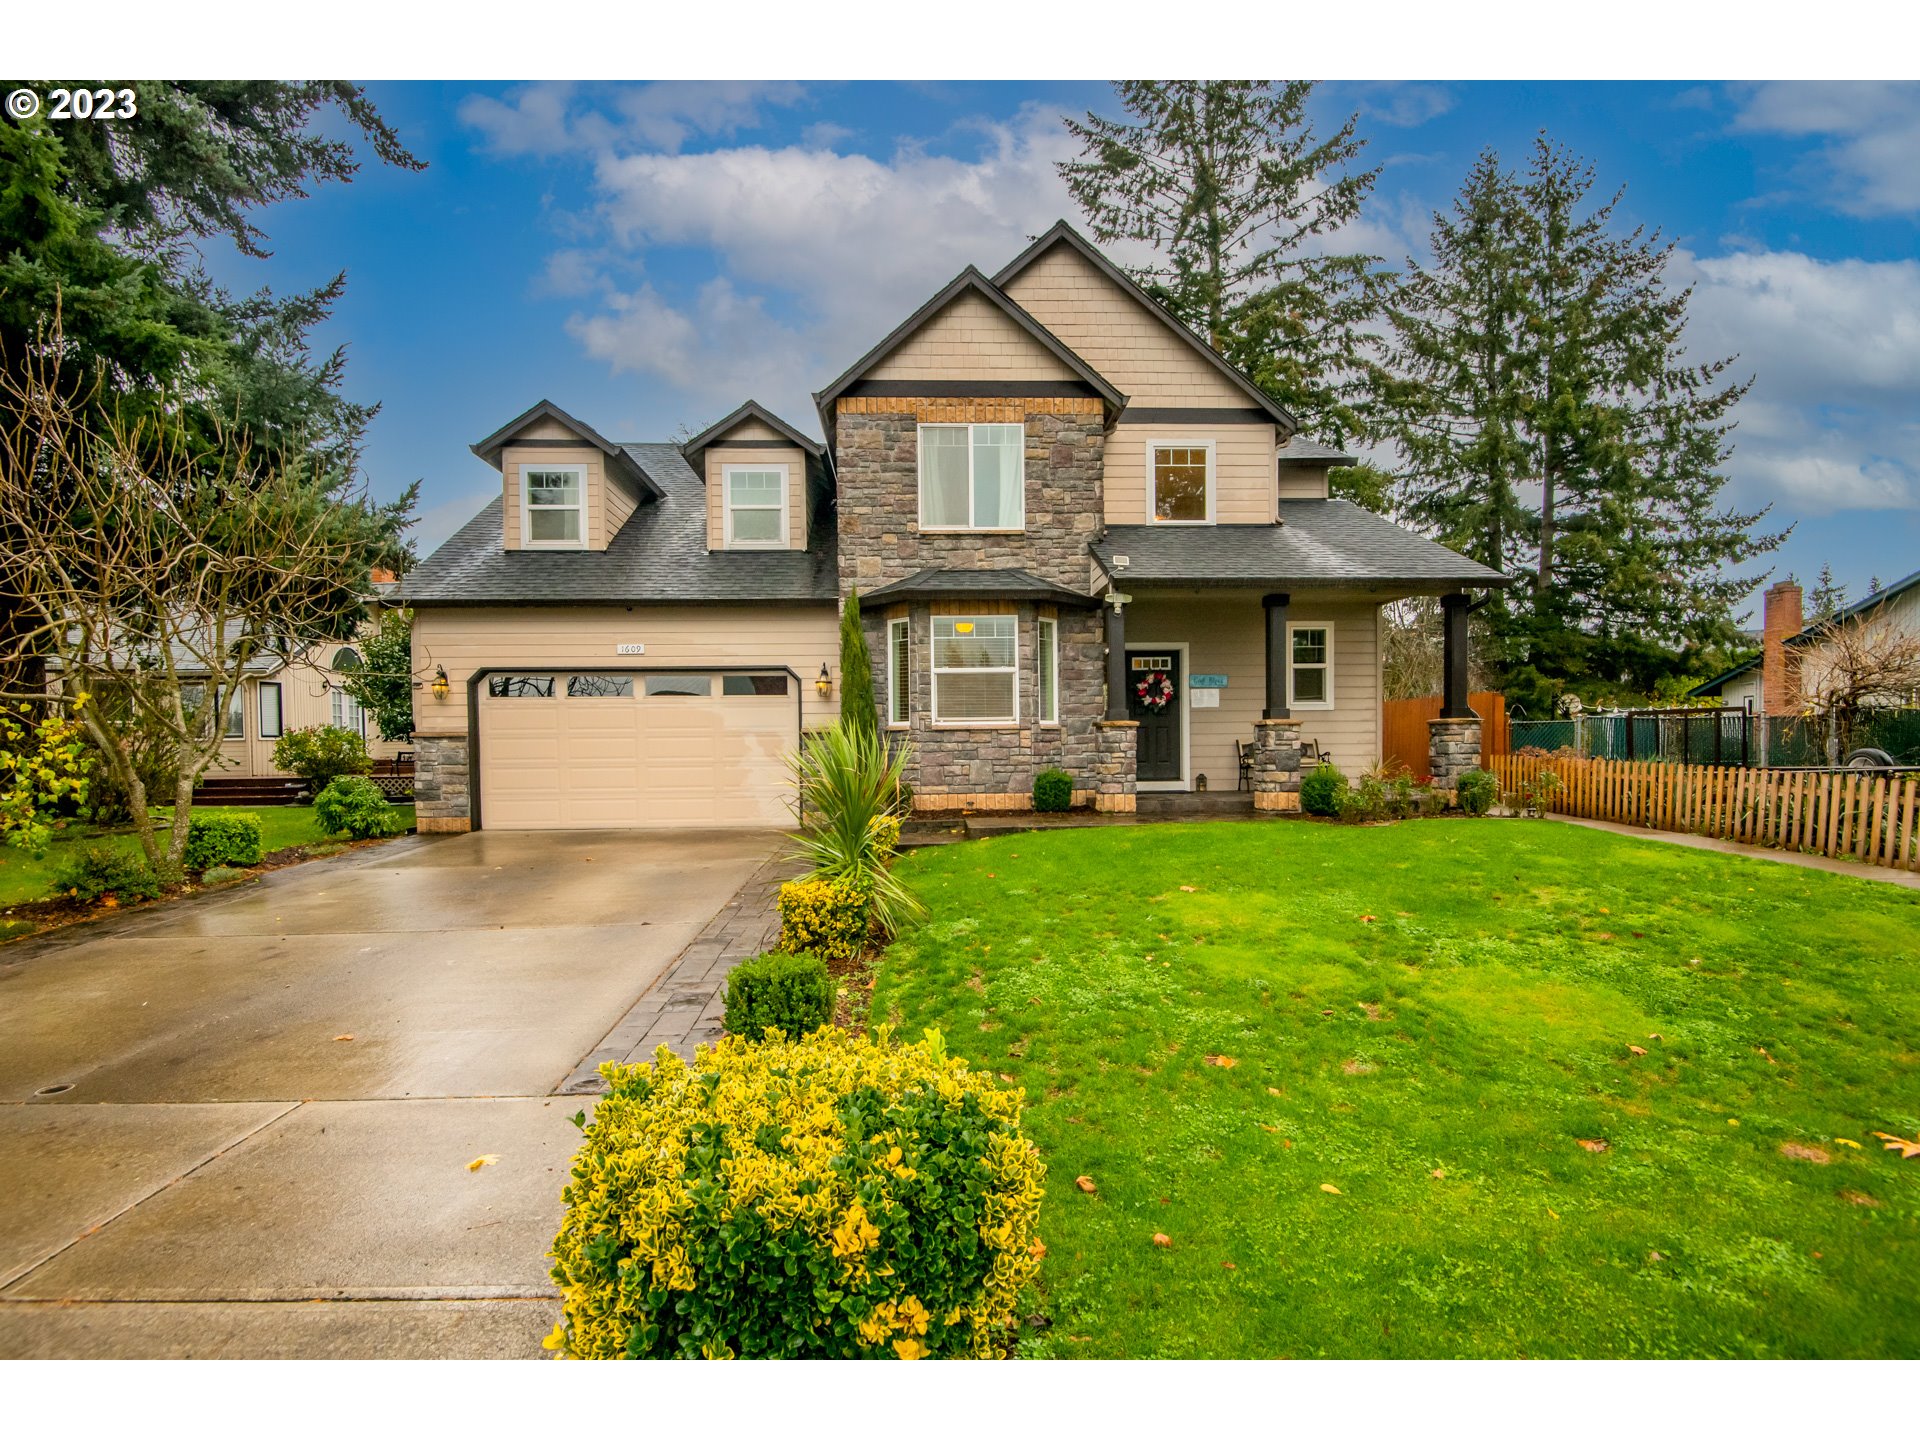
(975, 671)
(973, 477)
(1047, 644)
(899, 676)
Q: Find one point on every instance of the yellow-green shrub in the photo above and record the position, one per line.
(886, 833)
(828, 918)
(837, 1196)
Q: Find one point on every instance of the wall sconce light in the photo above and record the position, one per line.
(440, 682)
(825, 683)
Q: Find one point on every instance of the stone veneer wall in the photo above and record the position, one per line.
(877, 471)
(1453, 748)
(440, 780)
(1276, 765)
(991, 767)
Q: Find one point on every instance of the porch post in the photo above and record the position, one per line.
(1453, 686)
(1116, 661)
(1276, 608)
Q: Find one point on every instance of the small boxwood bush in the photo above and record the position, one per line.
(833, 1197)
(353, 805)
(97, 871)
(224, 875)
(223, 840)
(1323, 790)
(320, 752)
(1476, 791)
(1052, 790)
(828, 918)
(792, 993)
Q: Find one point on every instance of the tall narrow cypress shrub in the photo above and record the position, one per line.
(857, 712)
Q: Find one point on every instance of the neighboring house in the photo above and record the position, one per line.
(1080, 539)
(1770, 683)
(277, 695)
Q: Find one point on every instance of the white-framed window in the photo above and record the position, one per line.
(553, 506)
(976, 675)
(899, 673)
(755, 497)
(236, 712)
(973, 477)
(271, 717)
(1047, 646)
(1309, 667)
(347, 714)
(1180, 482)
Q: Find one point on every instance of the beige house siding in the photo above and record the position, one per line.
(1225, 634)
(303, 704)
(1243, 470)
(557, 638)
(592, 461)
(1302, 482)
(793, 457)
(1119, 337)
(971, 340)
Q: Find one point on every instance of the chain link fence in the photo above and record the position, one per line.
(1680, 737)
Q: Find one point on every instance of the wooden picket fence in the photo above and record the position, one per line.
(1869, 816)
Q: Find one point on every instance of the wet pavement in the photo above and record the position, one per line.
(226, 1156)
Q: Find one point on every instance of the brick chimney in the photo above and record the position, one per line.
(1780, 679)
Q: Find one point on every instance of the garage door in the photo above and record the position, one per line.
(602, 751)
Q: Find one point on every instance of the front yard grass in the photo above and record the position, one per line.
(24, 878)
(1347, 1072)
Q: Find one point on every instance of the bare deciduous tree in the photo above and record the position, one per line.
(1855, 665)
(159, 570)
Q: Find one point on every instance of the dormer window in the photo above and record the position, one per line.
(553, 506)
(756, 499)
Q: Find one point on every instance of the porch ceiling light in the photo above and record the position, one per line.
(825, 683)
(440, 682)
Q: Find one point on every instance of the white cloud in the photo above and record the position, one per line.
(1875, 130)
(557, 118)
(718, 350)
(1405, 104)
(436, 524)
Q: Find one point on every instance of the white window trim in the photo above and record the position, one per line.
(236, 710)
(1153, 482)
(898, 683)
(1047, 633)
(920, 481)
(1292, 703)
(726, 507)
(260, 711)
(1014, 669)
(527, 542)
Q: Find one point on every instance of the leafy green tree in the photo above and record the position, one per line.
(857, 710)
(382, 682)
(1235, 190)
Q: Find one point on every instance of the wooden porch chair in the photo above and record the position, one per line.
(1243, 751)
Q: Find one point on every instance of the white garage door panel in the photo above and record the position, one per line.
(639, 762)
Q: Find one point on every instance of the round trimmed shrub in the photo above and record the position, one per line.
(1323, 790)
(791, 993)
(833, 1197)
(1052, 790)
(223, 840)
(1476, 791)
(828, 918)
(353, 805)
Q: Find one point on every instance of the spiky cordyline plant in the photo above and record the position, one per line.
(849, 782)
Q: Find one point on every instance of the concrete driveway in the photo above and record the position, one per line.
(272, 1095)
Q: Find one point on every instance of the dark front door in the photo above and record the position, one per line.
(1157, 710)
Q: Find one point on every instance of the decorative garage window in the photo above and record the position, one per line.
(1182, 476)
(1310, 671)
(679, 684)
(975, 678)
(553, 506)
(272, 720)
(899, 673)
(973, 477)
(520, 687)
(753, 685)
(756, 506)
(596, 687)
(1049, 648)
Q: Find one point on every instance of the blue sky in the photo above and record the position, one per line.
(648, 255)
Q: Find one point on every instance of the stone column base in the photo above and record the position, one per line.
(1116, 766)
(1278, 801)
(1276, 765)
(441, 824)
(1453, 748)
(440, 800)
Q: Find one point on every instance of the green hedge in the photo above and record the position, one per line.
(791, 993)
(223, 840)
(353, 805)
(96, 871)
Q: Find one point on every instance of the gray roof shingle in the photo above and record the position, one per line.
(1300, 450)
(1317, 542)
(659, 556)
(1005, 584)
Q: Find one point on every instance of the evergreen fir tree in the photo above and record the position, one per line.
(1231, 185)
(1829, 596)
(857, 710)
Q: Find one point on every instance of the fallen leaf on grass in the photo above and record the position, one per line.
(1272, 1091)
(342, 1037)
(1366, 919)
(1225, 1062)
(1553, 1212)
(1331, 1189)
(479, 1160)
(1811, 1153)
(1854, 1197)
(1850, 1144)
(1636, 1049)
(1085, 1182)
(1655, 1256)
(1271, 1129)
(1438, 1174)
(1594, 1146)
(1908, 1149)
(1228, 1265)
(1165, 1242)
(1763, 1054)
(1037, 1250)
(1190, 889)
(1006, 1078)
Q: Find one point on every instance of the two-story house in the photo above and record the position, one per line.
(1080, 539)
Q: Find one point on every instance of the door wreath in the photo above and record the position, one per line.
(1156, 691)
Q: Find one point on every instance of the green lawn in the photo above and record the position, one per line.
(1429, 1017)
(24, 878)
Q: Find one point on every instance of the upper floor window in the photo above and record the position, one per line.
(554, 505)
(756, 500)
(1181, 477)
(973, 477)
